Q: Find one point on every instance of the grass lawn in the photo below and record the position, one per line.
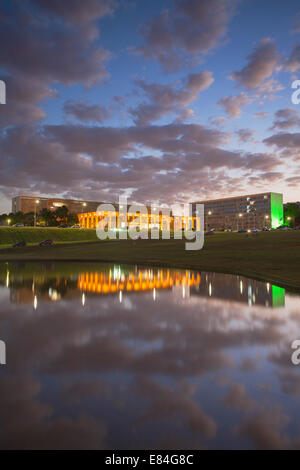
(270, 256)
(10, 235)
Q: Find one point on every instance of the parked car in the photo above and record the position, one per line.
(228, 230)
(210, 232)
(18, 225)
(242, 230)
(75, 226)
(254, 230)
(47, 242)
(63, 226)
(284, 227)
(19, 244)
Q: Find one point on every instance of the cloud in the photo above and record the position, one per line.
(284, 140)
(233, 104)
(286, 118)
(146, 160)
(167, 402)
(293, 62)
(191, 28)
(260, 114)
(261, 64)
(24, 95)
(81, 12)
(46, 50)
(296, 28)
(85, 113)
(244, 135)
(165, 99)
(237, 398)
(265, 429)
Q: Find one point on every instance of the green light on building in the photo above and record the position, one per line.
(278, 296)
(276, 210)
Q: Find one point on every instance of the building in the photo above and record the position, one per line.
(243, 212)
(31, 203)
(124, 217)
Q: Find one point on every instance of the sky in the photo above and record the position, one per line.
(165, 102)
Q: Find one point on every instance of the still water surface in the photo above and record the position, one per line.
(127, 357)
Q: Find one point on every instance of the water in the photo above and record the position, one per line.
(121, 357)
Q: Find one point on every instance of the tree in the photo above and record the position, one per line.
(291, 214)
(47, 217)
(61, 214)
(72, 218)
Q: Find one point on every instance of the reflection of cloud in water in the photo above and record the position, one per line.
(180, 371)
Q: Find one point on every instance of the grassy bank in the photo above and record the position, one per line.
(10, 235)
(270, 256)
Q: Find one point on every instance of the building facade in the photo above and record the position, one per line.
(123, 218)
(243, 212)
(32, 203)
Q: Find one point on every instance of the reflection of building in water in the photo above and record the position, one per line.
(185, 283)
(141, 280)
(116, 280)
(241, 289)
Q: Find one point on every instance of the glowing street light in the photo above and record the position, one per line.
(36, 203)
(208, 213)
(240, 216)
(8, 221)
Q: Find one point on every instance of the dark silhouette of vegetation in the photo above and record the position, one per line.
(45, 218)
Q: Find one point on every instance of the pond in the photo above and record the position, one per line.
(131, 357)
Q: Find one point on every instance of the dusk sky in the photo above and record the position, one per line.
(163, 101)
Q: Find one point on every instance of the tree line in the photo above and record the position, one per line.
(45, 218)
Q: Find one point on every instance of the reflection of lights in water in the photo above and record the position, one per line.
(7, 279)
(183, 292)
(154, 293)
(249, 295)
(241, 287)
(209, 289)
(55, 296)
(83, 299)
(32, 286)
(253, 298)
(120, 296)
(268, 287)
(35, 302)
(117, 272)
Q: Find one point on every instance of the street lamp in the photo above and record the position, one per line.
(267, 217)
(36, 203)
(240, 216)
(209, 213)
(83, 205)
(8, 221)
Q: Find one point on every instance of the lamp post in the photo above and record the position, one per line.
(267, 217)
(209, 213)
(36, 203)
(240, 216)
